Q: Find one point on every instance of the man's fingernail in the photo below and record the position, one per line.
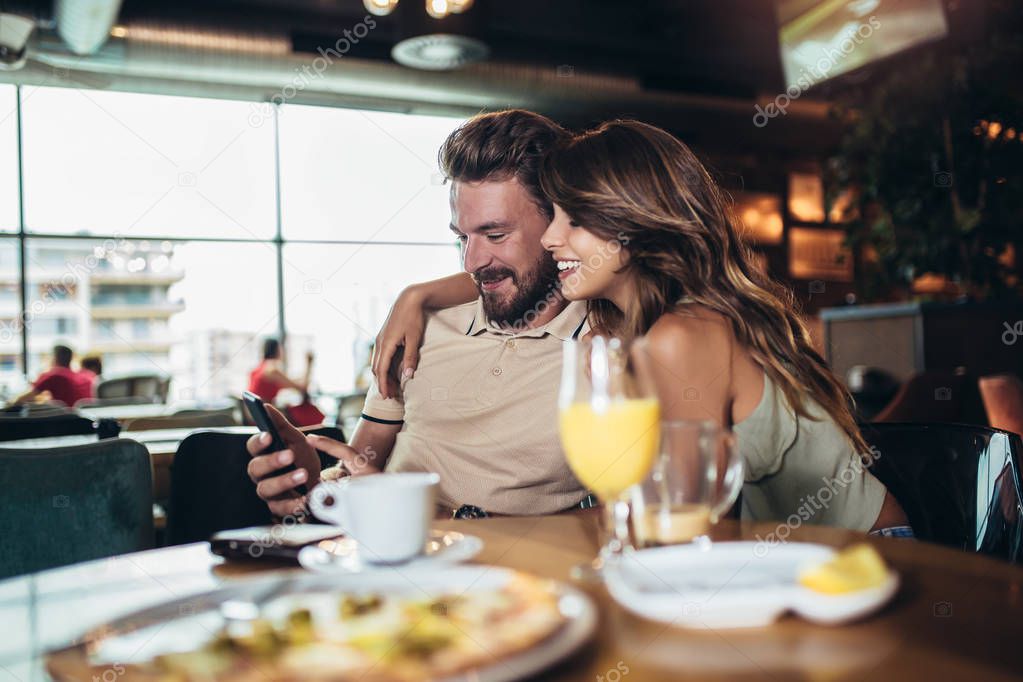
(298, 476)
(285, 457)
(407, 374)
(264, 438)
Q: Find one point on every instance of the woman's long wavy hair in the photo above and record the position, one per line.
(638, 185)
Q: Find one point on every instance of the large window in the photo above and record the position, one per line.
(8, 159)
(157, 236)
(11, 374)
(337, 296)
(362, 176)
(136, 165)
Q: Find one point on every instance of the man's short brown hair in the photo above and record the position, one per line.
(501, 145)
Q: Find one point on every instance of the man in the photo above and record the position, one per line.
(481, 408)
(61, 382)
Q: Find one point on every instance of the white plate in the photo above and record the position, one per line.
(343, 556)
(185, 624)
(734, 585)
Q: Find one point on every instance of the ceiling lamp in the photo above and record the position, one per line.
(440, 39)
(381, 8)
(438, 9)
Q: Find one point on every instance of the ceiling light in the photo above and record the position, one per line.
(381, 8)
(439, 52)
(438, 9)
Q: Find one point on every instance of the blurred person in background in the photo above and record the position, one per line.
(90, 369)
(269, 378)
(60, 383)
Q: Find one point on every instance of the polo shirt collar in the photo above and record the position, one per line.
(568, 324)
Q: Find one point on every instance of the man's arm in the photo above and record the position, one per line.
(25, 397)
(369, 450)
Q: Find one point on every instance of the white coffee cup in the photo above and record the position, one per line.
(389, 515)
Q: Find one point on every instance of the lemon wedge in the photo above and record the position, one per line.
(856, 568)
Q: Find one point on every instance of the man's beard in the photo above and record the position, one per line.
(532, 288)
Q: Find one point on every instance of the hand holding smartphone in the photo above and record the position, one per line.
(257, 409)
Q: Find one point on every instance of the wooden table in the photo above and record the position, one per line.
(957, 616)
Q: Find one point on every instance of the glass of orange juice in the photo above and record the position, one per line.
(696, 478)
(609, 423)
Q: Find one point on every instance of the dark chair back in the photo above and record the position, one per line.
(153, 387)
(1003, 401)
(946, 396)
(60, 424)
(959, 484)
(71, 504)
(210, 486)
(195, 420)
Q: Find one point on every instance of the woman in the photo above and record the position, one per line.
(644, 234)
(269, 378)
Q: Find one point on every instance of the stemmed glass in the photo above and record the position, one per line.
(610, 429)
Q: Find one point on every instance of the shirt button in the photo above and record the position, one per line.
(511, 344)
(496, 371)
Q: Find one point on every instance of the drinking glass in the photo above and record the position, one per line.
(609, 421)
(696, 478)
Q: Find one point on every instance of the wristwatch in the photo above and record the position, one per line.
(468, 511)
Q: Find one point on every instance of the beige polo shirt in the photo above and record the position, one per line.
(481, 411)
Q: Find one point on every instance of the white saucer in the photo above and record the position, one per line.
(343, 555)
(733, 585)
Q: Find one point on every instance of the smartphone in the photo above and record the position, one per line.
(266, 542)
(254, 404)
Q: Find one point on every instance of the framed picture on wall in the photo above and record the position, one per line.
(760, 217)
(816, 253)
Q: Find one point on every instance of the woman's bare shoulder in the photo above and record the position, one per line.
(693, 335)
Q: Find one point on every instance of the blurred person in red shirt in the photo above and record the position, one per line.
(60, 382)
(91, 367)
(269, 378)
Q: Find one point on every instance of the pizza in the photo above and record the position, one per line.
(368, 636)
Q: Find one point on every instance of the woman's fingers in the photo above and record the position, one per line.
(410, 359)
(383, 354)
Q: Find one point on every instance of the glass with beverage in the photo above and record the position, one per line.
(696, 478)
(610, 427)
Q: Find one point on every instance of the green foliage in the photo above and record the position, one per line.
(936, 190)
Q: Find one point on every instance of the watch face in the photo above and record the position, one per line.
(468, 511)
